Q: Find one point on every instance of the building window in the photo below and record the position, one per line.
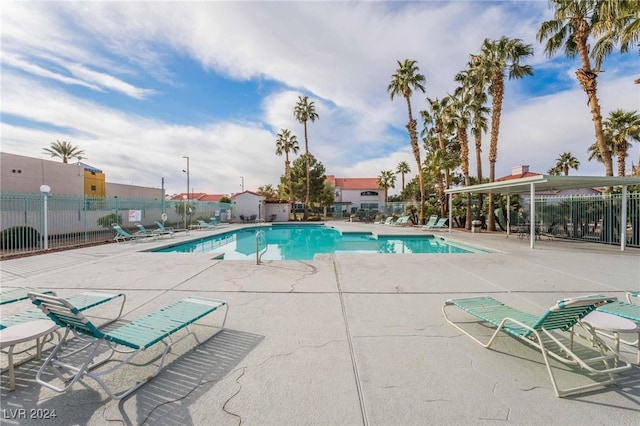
(369, 194)
(369, 206)
(93, 187)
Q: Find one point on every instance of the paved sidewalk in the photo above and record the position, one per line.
(345, 339)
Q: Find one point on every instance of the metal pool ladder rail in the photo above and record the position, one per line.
(258, 254)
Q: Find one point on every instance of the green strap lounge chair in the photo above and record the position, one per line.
(167, 229)
(131, 339)
(439, 224)
(122, 235)
(148, 233)
(83, 302)
(543, 333)
(401, 221)
(17, 294)
(432, 221)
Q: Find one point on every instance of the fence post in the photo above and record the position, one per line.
(45, 189)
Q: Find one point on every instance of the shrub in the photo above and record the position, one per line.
(19, 237)
(106, 221)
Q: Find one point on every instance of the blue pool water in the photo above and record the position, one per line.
(291, 242)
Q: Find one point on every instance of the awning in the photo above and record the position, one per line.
(546, 183)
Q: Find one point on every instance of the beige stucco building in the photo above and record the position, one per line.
(26, 174)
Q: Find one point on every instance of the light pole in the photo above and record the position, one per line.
(184, 197)
(242, 183)
(45, 189)
(187, 172)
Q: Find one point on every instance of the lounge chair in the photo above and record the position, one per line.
(216, 222)
(144, 231)
(432, 221)
(132, 339)
(17, 294)
(243, 219)
(440, 223)
(30, 328)
(164, 229)
(401, 221)
(122, 235)
(541, 332)
(202, 225)
(387, 221)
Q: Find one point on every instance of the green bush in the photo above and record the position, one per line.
(106, 221)
(19, 237)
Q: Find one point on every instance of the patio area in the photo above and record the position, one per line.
(345, 339)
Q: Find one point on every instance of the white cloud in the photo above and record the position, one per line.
(341, 54)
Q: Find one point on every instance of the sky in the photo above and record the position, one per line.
(140, 85)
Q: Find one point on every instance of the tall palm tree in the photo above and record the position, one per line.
(303, 112)
(565, 162)
(386, 180)
(404, 81)
(475, 81)
(285, 144)
(570, 29)
(619, 22)
(460, 114)
(497, 57)
(436, 164)
(63, 150)
(435, 118)
(402, 169)
(621, 128)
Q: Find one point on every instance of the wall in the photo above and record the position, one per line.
(26, 174)
(248, 204)
(131, 191)
(353, 196)
(280, 210)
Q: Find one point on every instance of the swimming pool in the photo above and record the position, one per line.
(293, 242)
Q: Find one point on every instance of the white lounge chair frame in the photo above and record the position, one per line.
(563, 316)
(131, 339)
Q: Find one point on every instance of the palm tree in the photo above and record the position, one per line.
(475, 82)
(570, 30)
(268, 191)
(404, 81)
(621, 128)
(285, 144)
(565, 162)
(63, 150)
(435, 163)
(619, 23)
(436, 118)
(303, 112)
(403, 168)
(496, 57)
(460, 114)
(386, 180)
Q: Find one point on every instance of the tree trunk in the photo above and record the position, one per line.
(497, 93)
(478, 138)
(464, 157)
(306, 198)
(587, 79)
(413, 137)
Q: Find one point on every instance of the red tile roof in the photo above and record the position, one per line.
(518, 176)
(354, 183)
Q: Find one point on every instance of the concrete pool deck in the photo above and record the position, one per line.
(345, 339)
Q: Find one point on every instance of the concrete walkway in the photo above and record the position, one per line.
(345, 339)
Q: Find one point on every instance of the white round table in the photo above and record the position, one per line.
(613, 324)
(20, 333)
